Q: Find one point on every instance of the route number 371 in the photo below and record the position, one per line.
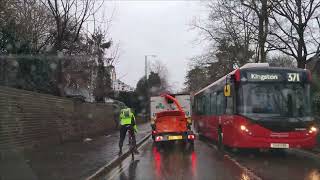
(293, 77)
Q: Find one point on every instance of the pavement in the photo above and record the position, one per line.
(69, 161)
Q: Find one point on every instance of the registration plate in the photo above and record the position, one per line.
(174, 137)
(279, 145)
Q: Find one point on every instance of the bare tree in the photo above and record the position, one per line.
(294, 32)
(161, 69)
(282, 61)
(262, 9)
(228, 20)
(29, 24)
(69, 17)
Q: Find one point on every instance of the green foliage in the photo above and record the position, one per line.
(10, 43)
(103, 80)
(196, 78)
(146, 89)
(131, 99)
(154, 83)
(141, 88)
(152, 86)
(29, 73)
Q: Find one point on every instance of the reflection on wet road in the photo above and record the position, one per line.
(174, 161)
(283, 165)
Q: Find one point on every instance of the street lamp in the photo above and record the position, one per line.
(146, 82)
(146, 64)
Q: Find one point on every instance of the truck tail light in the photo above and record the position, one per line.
(159, 138)
(154, 132)
(191, 136)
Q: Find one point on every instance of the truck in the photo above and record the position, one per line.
(171, 118)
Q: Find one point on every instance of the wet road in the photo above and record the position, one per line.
(205, 162)
(285, 165)
(175, 162)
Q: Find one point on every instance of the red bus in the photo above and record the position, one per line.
(257, 106)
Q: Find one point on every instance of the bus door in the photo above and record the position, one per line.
(204, 115)
(201, 117)
(212, 118)
(220, 110)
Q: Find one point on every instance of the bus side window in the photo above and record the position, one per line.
(213, 102)
(195, 105)
(199, 105)
(230, 102)
(202, 108)
(207, 104)
(220, 103)
(229, 105)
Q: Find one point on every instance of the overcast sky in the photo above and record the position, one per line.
(154, 27)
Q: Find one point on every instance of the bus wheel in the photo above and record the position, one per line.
(220, 143)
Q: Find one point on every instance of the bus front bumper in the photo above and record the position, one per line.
(247, 141)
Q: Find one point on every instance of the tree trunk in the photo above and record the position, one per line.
(263, 30)
(100, 84)
(301, 58)
(302, 62)
(261, 40)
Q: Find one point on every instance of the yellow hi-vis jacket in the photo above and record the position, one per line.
(127, 117)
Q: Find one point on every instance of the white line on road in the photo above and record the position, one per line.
(242, 167)
(127, 162)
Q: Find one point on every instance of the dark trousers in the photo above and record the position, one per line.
(123, 132)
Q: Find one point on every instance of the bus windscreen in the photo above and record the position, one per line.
(266, 100)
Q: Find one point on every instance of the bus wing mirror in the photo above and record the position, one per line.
(227, 90)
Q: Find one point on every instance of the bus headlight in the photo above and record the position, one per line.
(313, 129)
(244, 128)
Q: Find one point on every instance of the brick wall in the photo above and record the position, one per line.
(29, 119)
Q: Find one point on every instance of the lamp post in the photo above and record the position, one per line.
(146, 80)
(146, 64)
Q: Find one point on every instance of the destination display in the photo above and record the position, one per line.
(272, 77)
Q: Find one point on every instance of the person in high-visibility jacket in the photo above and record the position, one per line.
(127, 120)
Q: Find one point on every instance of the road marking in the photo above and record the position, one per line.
(304, 153)
(126, 163)
(120, 170)
(113, 161)
(242, 167)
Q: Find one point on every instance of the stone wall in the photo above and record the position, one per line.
(29, 119)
